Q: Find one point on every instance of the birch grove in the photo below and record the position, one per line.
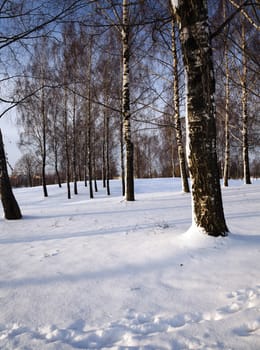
(105, 98)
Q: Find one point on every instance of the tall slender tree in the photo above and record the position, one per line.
(129, 147)
(246, 168)
(227, 106)
(67, 143)
(177, 119)
(35, 110)
(43, 113)
(89, 121)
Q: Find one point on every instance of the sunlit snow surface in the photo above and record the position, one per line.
(110, 274)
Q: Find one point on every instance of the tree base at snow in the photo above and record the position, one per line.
(10, 205)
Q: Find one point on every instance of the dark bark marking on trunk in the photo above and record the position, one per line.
(11, 208)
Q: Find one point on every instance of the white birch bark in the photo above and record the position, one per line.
(43, 124)
(75, 176)
(177, 121)
(66, 136)
(129, 167)
(208, 214)
(246, 168)
(43, 148)
(89, 124)
(227, 102)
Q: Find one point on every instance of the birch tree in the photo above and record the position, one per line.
(21, 21)
(35, 110)
(237, 68)
(55, 132)
(244, 97)
(43, 113)
(109, 92)
(89, 121)
(66, 142)
(129, 147)
(208, 214)
(227, 107)
(177, 120)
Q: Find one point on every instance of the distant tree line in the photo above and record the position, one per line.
(73, 123)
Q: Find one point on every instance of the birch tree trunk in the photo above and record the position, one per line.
(177, 120)
(74, 130)
(227, 101)
(67, 151)
(208, 214)
(104, 175)
(94, 176)
(122, 157)
(89, 124)
(129, 148)
(107, 139)
(55, 143)
(89, 151)
(43, 148)
(106, 149)
(227, 133)
(246, 168)
(10, 205)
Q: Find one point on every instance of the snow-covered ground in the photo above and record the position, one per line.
(110, 274)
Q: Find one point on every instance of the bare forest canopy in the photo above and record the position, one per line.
(62, 68)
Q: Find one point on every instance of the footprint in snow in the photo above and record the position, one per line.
(81, 338)
(14, 331)
(229, 309)
(244, 300)
(248, 328)
(52, 253)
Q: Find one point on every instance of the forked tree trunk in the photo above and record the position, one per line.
(208, 214)
(10, 205)
(177, 120)
(129, 148)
